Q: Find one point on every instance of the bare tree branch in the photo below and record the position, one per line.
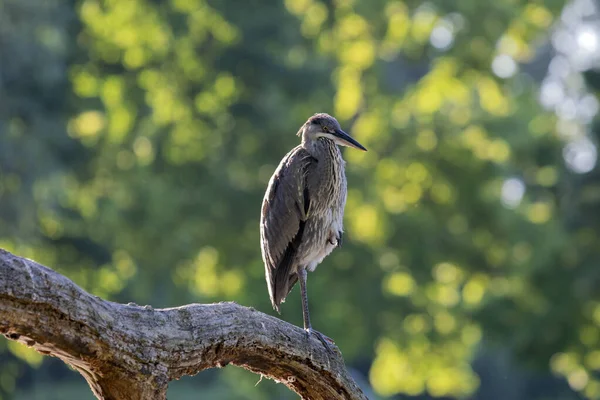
(132, 352)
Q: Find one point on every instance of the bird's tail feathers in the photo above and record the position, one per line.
(276, 307)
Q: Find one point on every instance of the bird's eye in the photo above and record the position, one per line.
(326, 129)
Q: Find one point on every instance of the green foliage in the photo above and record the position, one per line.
(140, 135)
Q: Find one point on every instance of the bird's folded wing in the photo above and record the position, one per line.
(284, 211)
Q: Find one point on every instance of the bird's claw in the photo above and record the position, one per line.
(326, 341)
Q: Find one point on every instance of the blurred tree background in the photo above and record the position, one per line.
(137, 138)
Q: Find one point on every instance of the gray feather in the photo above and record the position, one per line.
(303, 207)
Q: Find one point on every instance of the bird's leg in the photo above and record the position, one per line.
(303, 293)
(307, 326)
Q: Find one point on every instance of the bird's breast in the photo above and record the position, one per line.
(327, 210)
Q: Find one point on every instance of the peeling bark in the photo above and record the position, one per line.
(129, 352)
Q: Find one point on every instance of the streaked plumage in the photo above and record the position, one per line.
(303, 208)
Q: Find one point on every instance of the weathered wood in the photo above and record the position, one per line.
(132, 352)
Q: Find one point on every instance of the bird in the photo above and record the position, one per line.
(302, 210)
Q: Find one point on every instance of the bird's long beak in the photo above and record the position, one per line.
(346, 140)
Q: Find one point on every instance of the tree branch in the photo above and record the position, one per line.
(132, 352)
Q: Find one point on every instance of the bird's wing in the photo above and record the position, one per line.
(285, 209)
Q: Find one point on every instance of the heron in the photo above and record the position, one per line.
(303, 209)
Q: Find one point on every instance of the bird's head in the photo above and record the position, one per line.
(324, 125)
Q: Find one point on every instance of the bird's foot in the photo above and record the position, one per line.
(327, 342)
(335, 240)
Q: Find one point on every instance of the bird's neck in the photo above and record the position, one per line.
(323, 149)
(329, 160)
